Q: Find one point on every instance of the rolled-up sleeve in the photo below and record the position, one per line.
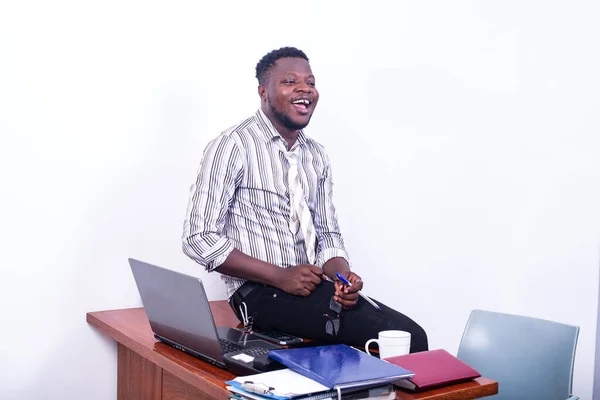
(219, 173)
(330, 242)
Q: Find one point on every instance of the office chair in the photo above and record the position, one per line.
(530, 358)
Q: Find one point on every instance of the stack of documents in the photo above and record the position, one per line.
(286, 384)
(322, 372)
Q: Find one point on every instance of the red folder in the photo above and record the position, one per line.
(434, 368)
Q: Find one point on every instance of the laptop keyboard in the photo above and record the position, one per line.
(255, 351)
(230, 347)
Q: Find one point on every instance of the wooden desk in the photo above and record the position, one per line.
(150, 370)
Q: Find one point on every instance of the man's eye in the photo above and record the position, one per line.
(289, 81)
(311, 84)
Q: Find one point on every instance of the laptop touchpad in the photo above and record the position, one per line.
(239, 336)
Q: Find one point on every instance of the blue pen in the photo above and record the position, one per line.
(347, 283)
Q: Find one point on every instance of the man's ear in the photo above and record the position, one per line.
(262, 92)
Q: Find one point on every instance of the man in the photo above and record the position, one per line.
(261, 214)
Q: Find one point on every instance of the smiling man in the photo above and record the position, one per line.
(261, 214)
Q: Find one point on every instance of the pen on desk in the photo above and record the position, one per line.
(364, 296)
(256, 387)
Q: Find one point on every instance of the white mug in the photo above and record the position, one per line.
(391, 343)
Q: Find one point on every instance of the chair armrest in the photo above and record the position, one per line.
(572, 397)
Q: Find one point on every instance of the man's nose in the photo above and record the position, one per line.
(303, 87)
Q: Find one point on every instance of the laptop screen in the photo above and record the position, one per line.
(177, 308)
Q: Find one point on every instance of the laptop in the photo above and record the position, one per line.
(179, 314)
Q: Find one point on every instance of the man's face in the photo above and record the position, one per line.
(290, 93)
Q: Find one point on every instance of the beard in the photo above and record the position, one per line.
(285, 119)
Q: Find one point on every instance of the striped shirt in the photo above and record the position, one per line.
(240, 199)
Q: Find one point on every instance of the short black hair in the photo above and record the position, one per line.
(268, 61)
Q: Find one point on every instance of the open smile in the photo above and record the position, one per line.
(302, 105)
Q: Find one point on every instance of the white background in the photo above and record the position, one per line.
(463, 135)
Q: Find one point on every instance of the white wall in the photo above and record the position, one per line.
(596, 389)
(464, 138)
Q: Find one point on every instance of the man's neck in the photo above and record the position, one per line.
(289, 135)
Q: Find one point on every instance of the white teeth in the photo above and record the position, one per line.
(301, 101)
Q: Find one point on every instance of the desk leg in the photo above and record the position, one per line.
(137, 378)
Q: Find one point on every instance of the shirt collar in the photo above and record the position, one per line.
(269, 131)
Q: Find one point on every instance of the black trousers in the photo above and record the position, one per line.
(274, 309)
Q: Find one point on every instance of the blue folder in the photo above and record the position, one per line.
(340, 366)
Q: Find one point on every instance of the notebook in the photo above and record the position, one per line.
(377, 393)
(286, 384)
(281, 384)
(434, 368)
(339, 366)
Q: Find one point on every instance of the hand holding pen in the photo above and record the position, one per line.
(349, 284)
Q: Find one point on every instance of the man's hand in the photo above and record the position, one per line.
(301, 280)
(347, 296)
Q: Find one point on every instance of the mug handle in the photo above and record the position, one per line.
(368, 343)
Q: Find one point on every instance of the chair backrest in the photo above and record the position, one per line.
(530, 358)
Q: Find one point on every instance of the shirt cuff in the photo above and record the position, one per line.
(330, 253)
(218, 255)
